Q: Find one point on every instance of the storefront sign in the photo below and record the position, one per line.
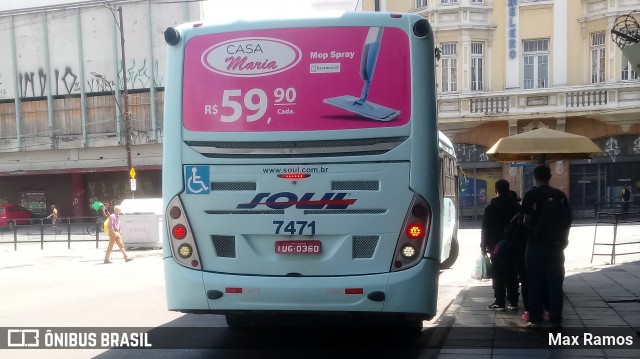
(522, 164)
(512, 69)
(512, 28)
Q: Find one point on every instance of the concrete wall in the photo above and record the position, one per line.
(54, 52)
(49, 98)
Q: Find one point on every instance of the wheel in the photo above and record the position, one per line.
(238, 321)
(91, 229)
(402, 327)
(412, 328)
(453, 254)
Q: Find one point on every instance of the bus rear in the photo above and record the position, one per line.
(300, 169)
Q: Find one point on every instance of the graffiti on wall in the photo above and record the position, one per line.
(636, 146)
(34, 84)
(617, 146)
(139, 75)
(100, 85)
(66, 81)
(611, 148)
(471, 153)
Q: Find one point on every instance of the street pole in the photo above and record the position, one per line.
(125, 95)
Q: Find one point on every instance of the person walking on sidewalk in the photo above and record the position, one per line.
(114, 236)
(102, 213)
(54, 217)
(497, 216)
(625, 197)
(548, 214)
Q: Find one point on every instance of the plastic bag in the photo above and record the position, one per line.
(483, 268)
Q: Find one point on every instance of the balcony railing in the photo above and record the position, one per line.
(489, 105)
(548, 102)
(586, 98)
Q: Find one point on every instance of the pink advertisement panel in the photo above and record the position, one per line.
(302, 79)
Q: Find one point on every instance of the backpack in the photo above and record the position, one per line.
(516, 234)
(105, 225)
(554, 220)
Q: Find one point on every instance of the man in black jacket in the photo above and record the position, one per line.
(497, 216)
(625, 197)
(545, 252)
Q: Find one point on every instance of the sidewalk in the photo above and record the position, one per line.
(600, 302)
(31, 254)
(600, 299)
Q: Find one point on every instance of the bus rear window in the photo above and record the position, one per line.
(297, 79)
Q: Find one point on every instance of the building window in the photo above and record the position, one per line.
(597, 57)
(449, 62)
(421, 4)
(477, 1)
(627, 70)
(477, 66)
(536, 63)
(448, 2)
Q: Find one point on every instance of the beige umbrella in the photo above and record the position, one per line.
(543, 144)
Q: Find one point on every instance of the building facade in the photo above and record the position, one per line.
(62, 108)
(508, 66)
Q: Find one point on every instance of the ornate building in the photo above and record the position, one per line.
(508, 66)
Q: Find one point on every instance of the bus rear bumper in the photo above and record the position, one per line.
(410, 291)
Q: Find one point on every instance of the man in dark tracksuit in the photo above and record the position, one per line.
(545, 261)
(497, 216)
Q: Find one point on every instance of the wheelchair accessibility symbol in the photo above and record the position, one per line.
(197, 178)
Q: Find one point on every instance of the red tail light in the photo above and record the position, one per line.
(179, 231)
(294, 175)
(412, 241)
(415, 231)
(180, 236)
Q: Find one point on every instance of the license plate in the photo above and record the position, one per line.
(299, 247)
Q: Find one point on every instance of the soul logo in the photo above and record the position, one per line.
(283, 200)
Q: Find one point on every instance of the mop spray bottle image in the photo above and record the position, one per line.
(361, 106)
(369, 58)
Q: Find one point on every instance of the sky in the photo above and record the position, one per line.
(223, 10)
(218, 8)
(23, 4)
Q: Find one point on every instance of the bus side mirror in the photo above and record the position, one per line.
(171, 36)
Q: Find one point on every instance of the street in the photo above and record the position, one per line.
(60, 287)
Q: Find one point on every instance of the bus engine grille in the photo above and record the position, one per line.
(234, 186)
(364, 246)
(225, 246)
(355, 185)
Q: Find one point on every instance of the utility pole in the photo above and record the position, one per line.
(127, 115)
(125, 96)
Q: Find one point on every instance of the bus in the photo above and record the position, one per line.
(303, 169)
